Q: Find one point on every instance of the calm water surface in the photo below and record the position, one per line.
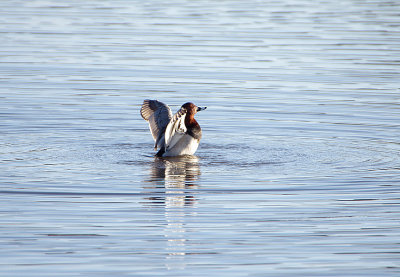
(298, 170)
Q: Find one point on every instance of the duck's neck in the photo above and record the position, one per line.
(193, 128)
(190, 121)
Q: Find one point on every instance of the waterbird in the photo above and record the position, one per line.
(174, 135)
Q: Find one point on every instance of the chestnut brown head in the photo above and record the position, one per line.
(192, 108)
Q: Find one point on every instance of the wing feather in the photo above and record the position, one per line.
(176, 129)
(158, 115)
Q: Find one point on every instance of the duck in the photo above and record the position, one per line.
(174, 135)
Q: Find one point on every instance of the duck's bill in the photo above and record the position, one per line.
(201, 108)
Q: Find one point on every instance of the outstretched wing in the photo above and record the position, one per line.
(176, 129)
(158, 115)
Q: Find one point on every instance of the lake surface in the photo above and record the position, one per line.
(298, 171)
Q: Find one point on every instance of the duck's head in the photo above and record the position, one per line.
(192, 108)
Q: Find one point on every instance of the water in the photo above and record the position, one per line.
(297, 172)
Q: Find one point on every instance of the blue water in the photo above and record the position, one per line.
(297, 173)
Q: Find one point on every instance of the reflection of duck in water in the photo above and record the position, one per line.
(173, 135)
(170, 178)
(174, 174)
(179, 171)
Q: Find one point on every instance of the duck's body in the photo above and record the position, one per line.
(175, 135)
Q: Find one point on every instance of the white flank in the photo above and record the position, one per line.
(187, 145)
